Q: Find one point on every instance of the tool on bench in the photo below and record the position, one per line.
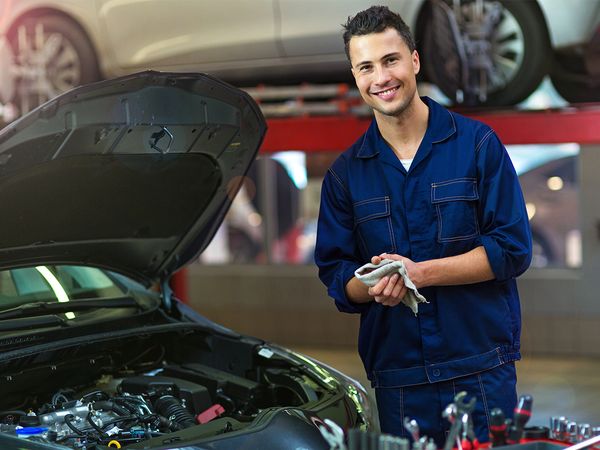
(461, 430)
(521, 416)
(497, 427)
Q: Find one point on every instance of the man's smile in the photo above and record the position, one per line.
(387, 93)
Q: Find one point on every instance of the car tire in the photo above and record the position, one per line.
(70, 58)
(575, 90)
(531, 57)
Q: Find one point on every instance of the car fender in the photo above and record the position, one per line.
(573, 25)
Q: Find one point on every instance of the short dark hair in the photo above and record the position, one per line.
(376, 19)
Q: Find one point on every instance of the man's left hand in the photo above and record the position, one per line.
(413, 270)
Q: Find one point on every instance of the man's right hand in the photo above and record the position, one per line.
(389, 291)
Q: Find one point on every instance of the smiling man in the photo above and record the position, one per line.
(437, 191)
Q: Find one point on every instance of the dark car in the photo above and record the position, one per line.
(106, 191)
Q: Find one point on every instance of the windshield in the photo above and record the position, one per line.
(55, 283)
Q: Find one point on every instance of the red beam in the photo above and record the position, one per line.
(180, 285)
(546, 127)
(337, 133)
(313, 134)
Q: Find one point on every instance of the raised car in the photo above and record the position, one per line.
(477, 51)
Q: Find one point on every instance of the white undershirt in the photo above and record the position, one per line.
(406, 163)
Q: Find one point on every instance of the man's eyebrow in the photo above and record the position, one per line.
(384, 57)
(396, 54)
(362, 63)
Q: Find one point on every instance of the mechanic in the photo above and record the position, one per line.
(438, 191)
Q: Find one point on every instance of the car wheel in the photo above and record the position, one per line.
(51, 54)
(504, 68)
(577, 89)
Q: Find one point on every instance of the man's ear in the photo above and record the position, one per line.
(416, 62)
(353, 72)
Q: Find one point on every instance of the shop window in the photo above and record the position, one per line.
(549, 178)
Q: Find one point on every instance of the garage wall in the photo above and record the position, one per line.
(288, 304)
(561, 309)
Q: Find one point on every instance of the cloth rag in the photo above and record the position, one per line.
(370, 274)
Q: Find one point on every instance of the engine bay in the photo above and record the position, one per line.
(129, 391)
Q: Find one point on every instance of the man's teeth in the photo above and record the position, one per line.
(387, 92)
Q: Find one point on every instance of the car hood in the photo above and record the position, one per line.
(133, 174)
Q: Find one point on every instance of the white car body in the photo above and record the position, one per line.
(572, 25)
(242, 41)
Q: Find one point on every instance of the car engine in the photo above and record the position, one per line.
(150, 391)
(140, 408)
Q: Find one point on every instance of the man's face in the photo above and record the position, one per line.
(385, 71)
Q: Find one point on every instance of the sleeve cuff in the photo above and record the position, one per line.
(495, 257)
(338, 290)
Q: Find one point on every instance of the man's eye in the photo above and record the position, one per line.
(364, 68)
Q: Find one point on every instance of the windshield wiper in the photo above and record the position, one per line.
(46, 308)
(31, 322)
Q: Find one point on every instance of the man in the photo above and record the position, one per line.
(437, 191)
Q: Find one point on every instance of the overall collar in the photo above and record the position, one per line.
(440, 126)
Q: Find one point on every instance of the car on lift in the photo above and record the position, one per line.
(491, 52)
(107, 190)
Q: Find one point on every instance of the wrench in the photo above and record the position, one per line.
(459, 409)
(412, 427)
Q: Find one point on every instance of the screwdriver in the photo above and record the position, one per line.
(521, 416)
(497, 427)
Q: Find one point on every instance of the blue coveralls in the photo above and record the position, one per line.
(460, 192)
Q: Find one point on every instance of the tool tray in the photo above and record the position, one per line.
(538, 445)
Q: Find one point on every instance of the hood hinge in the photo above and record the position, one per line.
(167, 294)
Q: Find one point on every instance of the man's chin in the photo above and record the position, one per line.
(392, 111)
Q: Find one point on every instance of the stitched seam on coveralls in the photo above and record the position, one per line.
(371, 200)
(456, 197)
(454, 180)
(487, 135)
(375, 215)
(402, 409)
(338, 179)
(391, 233)
(454, 238)
(485, 405)
(347, 192)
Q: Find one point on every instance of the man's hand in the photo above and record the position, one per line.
(468, 268)
(414, 271)
(390, 290)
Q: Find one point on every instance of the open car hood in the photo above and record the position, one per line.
(133, 174)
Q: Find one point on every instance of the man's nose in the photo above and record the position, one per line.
(382, 75)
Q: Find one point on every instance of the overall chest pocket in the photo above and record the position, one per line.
(455, 203)
(373, 224)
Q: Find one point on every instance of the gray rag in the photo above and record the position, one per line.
(370, 274)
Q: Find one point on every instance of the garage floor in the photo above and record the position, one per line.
(567, 387)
